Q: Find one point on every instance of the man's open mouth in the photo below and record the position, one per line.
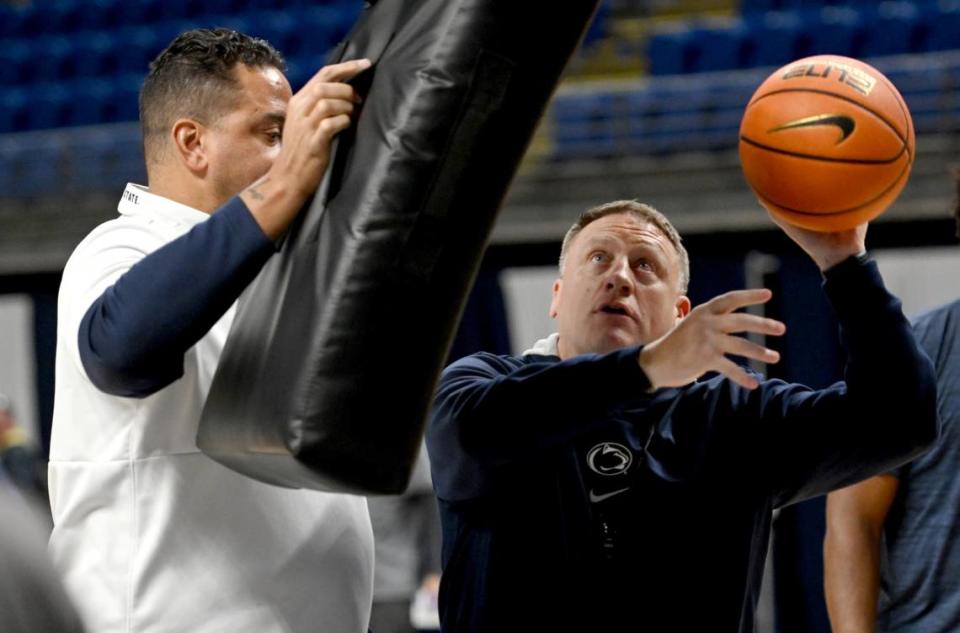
(615, 310)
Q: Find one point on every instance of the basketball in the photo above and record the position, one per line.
(826, 143)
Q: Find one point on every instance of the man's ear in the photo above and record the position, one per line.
(555, 301)
(189, 138)
(683, 307)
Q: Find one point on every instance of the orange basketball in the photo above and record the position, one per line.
(826, 143)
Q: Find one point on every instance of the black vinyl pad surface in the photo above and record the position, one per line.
(327, 376)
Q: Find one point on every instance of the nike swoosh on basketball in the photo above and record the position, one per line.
(595, 498)
(842, 121)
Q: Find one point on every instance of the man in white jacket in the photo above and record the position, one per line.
(150, 535)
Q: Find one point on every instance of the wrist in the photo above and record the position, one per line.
(273, 202)
(828, 261)
(646, 359)
(856, 259)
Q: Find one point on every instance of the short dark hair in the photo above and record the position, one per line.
(641, 211)
(193, 77)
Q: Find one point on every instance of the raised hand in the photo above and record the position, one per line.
(705, 339)
(826, 249)
(320, 110)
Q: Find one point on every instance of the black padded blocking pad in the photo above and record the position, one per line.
(326, 379)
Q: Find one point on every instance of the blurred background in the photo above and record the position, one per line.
(649, 109)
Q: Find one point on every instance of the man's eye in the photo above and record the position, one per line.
(598, 258)
(275, 137)
(644, 264)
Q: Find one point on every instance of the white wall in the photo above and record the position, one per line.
(923, 278)
(527, 292)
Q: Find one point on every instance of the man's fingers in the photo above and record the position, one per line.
(737, 374)
(330, 127)
(736, 299)
(343, 71)
(333, 90)
(739, 346)
(744, 322)
(331, 107)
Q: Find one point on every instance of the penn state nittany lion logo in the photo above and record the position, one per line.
(609, 458)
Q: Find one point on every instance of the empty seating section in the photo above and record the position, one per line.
(77, 62)
(702, 78)
(54, 163)
(70, 63)
(773, 32)
(660, 115)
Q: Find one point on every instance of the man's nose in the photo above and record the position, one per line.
(621, 277)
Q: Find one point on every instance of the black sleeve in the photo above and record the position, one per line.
(133, 338)
(883, 414)
(791, 442)
(484, 400)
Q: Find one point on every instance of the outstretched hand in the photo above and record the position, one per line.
(703, 341)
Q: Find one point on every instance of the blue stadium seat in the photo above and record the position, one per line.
(600, 26)
(15, 63)
(720, 48)
(52, 59)
(943, 31)
(894, 31)
(320, 29)
(91, 101)
(123, 98)
(584, 124)
(759, 6)
(8, 146)
(100, 14)
(103, 159)
(679, 118)
(182, 9)
(280, 28)
(139, 12)
(138, 46)
(301, 69)
(9, 20)
(776, 41)
(643, 111)
(36, 165)
(49, 107)
(14, 105)
(32, 19)
(670, 52)
(834, 31)
(121, 158)
(78, 16)
(221, 7)
(95, 55)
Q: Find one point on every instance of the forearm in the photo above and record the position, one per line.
(889, 378)
(274, 202)
(851, 561)
(881, 416)
(133, 338)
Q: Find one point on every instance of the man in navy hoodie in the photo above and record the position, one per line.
(601, 482)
